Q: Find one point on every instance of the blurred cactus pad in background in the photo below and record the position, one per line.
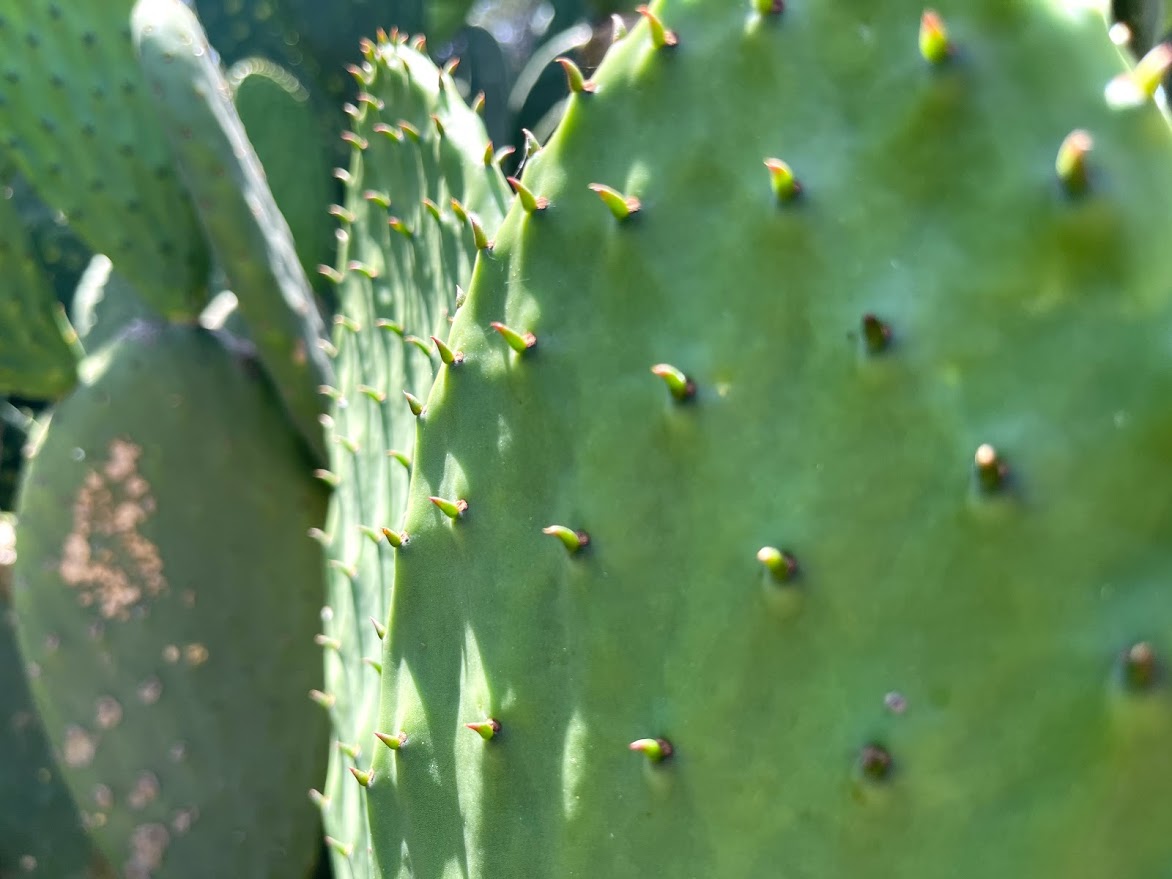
(711, 438)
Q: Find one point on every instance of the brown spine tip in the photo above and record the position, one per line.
(576, 81)
(876, 334)
(519, 342)
(452, 509)
(447, 355)
(656, 750)
(1073, 164)
(363, 778)
(486, 729)
(781, 565)
(1140, 666)
(394, 742)
(622, 206)
(935, 44)
(574, 541)
(786, 186)
(682, 387)
(531, 203)
(661, 37)
(992, 471)
(875, 762)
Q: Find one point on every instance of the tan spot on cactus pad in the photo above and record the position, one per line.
(148, 843)
(106, 557)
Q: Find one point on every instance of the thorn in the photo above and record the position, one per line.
(1140, 666)
(530, 202)
(329, 391)
(374, 663)
(325, 700)
(355, 140)
(364, 778)
(532, 144)
(388, 131)
(519, 342)
(780, 564)
(660, 36)
(401, 457)
(656, 750)
(450, 66)
(414, 403)
(460, 211)
(395, 538)
(439, 125)
(379, 628)
(618, 28)
(385, 324)
(447, 355)
(769, 7)
(342, 174)
(373, 393)
(341, 213)
(620, 205)
(681, 387)
(875, 762)
(478, 103)
(394, 742)
(479, 237)
(991, 470)
(328, 347)
(318, 799)
(432, 208)
(486, 729)
(399, 226)
(419, 42)
(876, 334)
(785, 185)
(578, 83)
(347, 323)
(340, 847)
(419, 343)
(409, 130)
(374, 534)
(934, 43)
(329, 478)
(348, 444)
(318, 535)
(452, 509)
(573, 540)
(351, 751)
(327, 642)
(331, 274)
(1072, 165)
(349, 571)
(362, 268)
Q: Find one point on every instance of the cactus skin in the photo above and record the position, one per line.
(166, 621)
(78, 123)
(284, 131)
(41, 833)
(250, 236)
(35, 360)
(944, 671)
(414, 285)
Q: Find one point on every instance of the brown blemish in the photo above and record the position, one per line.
(148, 843)
(144, 792)
(109, 713)
(105, 557)
(79, 747)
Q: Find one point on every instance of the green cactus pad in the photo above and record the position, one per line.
(874, 470)
(280, 123)
(76, 118)
(35, 360)
(250, 236)
(397, 289)
(168, 601)
(41, 834)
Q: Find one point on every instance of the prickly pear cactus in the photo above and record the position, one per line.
(41, 834)
(35, 360)
(422, 172)
(238, 212)
(77, 120)
(163, 617)
(800, 504)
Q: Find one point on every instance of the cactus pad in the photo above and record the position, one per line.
(843, 338)
(405, 252)
(166, 602)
